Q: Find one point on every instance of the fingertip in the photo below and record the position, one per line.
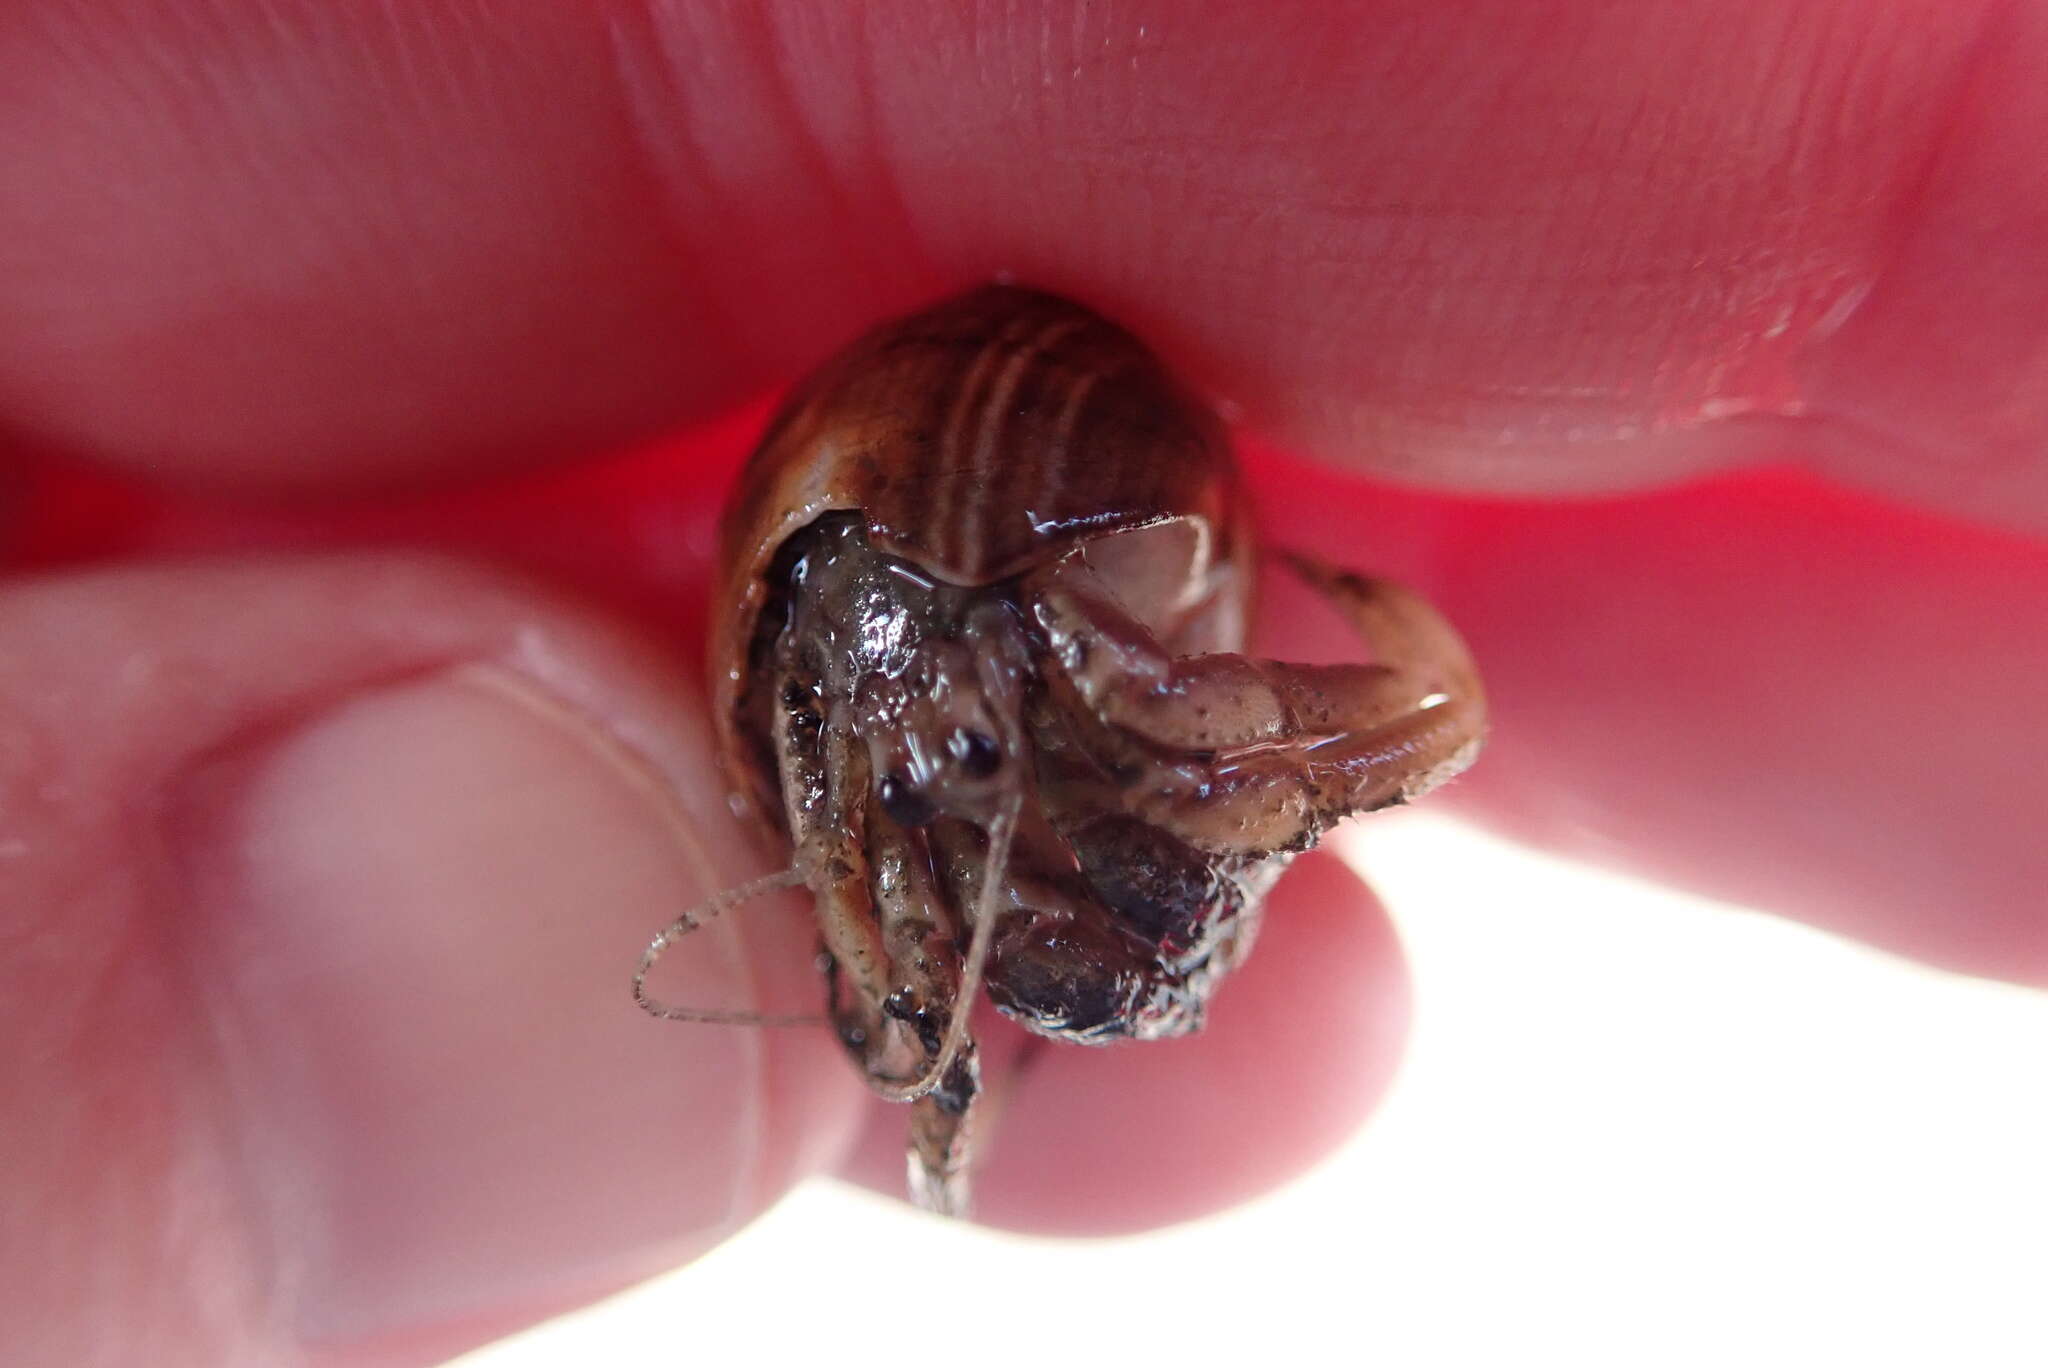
(337, 872)
(419, 917)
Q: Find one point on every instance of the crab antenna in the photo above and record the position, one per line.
(682, 926)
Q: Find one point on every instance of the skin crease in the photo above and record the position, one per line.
(1764, 288)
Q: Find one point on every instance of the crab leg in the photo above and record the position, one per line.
(1249, 756)
(918, 924)
(824, 782)
(1434, 737)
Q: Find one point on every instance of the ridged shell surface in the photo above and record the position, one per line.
(977, 438)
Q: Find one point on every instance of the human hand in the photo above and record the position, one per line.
(321, 876)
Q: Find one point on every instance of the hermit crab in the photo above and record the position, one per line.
(986, 582)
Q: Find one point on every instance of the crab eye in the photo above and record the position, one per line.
(975, 752)
(904, 802)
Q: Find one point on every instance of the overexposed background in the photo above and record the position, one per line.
(1634, 1129)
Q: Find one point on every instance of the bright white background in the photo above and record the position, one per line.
(1635, 1129)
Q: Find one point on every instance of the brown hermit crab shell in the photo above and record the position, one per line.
(986, 581)
(975, 439)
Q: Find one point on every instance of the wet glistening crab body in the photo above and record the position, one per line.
(987, 578)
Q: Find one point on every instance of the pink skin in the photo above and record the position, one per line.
(313, 1033)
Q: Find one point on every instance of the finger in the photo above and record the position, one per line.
(1300, 1045)
(321, 889)
(1557, 248)
(1762, 688)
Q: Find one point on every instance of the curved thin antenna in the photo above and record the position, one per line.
(792, 877)
(1001, 832)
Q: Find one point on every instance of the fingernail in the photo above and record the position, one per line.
(417, 917)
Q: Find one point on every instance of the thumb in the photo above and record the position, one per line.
(323, 885)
